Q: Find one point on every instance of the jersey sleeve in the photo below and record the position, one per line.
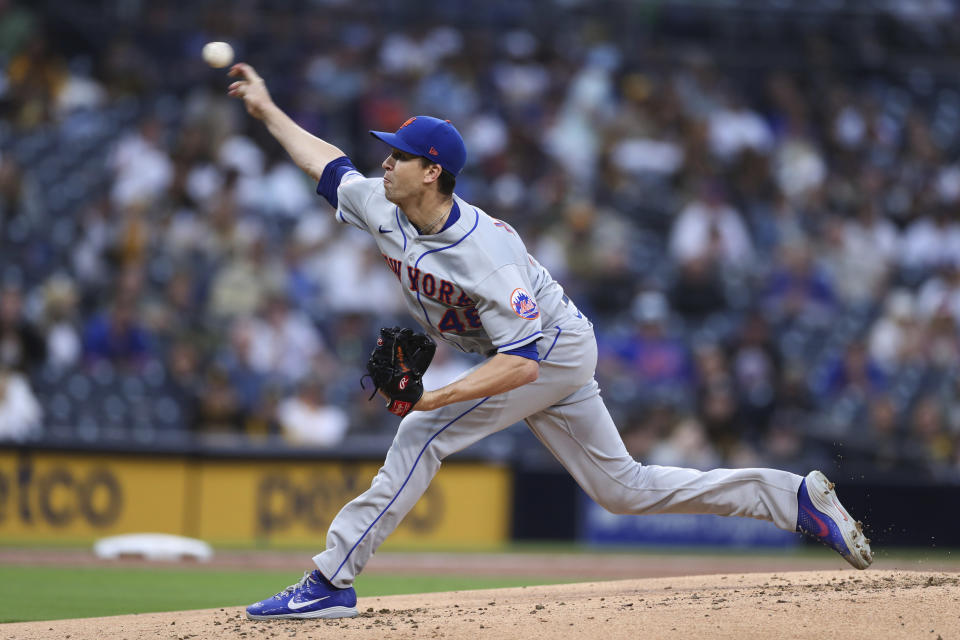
(333, 175)
(528, 351)
(507, 309)
(346, 190)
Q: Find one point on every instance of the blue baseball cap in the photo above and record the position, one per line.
(432, 138)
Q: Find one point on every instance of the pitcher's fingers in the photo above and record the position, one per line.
(245, 70)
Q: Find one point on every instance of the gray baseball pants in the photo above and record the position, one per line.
(564, 410)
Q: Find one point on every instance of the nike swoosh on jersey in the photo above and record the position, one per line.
(292, 604)
(382, 230)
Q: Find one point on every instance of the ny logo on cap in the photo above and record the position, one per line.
(409, 120)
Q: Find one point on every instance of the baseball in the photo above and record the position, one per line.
(217, 54)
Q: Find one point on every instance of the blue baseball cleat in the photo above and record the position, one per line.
(820, 515)
(312, 597)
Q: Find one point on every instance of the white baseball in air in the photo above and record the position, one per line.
(217, 54)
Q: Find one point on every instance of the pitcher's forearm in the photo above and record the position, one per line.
(309, 152)
(498, 375)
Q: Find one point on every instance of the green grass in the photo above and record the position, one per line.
(50, 593)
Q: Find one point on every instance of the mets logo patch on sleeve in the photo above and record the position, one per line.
(523, 304)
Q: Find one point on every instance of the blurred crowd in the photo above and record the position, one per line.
(763, 228)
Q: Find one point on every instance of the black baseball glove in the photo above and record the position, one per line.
(397, 364)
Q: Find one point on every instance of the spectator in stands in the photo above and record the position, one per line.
(941, 293)
(573, 138)
(116, 335)
(755, 366)
(307, 418)
(853, 371)
(246, 279)
(644, 135)
(218, 407)
(141, 164)
(708, 228)
(185, 378)
(262, 419)
(35, 75)
(798, 166)
(345, 267)
(697, 291)
(949, 394)
(284, 342)
(941, 341)
(444, 368)
(127, 69)
(930, 440)
(797, 288)
(17, 24)
(793, 392)
(18, 192)
(22, 347)
(59, 321)
(896, 338)
(592, 245)
(873, 232)
(299, 283)
(775, 221)
(174, 311)
(235, 357)
(818, 179)
(717, 400)
(884, 442)
(687, 445)
(351, 348)
(650, 356)
(91, 251)
(735, 127)
(20, 413)
(783, 440)
(857, 267)
(932, 241)
(647, 425)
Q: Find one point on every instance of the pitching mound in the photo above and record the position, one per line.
(844, 604)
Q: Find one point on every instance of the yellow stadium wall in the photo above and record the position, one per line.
(70, 497)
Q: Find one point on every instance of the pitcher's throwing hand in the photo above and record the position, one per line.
(251, 88)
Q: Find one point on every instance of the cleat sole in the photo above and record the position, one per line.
(824, 498)
(329, 612)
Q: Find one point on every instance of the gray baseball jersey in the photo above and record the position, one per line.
(474, 285)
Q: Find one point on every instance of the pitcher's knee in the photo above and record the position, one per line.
(615, 502)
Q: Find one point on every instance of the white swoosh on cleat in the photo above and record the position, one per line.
(292, 604)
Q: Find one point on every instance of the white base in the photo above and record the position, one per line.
(152, 546)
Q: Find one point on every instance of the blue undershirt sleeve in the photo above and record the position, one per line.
(330, 178)
(528, 350)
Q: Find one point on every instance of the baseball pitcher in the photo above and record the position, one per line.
(468, 280)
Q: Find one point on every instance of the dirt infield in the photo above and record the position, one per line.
(873, 604)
